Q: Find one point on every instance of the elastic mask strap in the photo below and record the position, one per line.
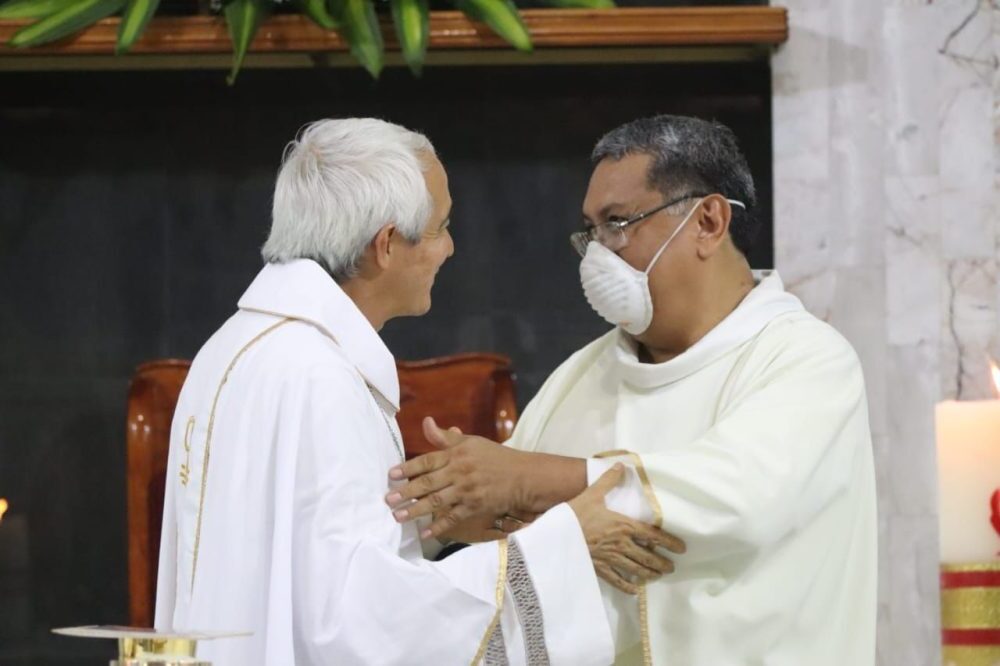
(663, 247)
(676, 231)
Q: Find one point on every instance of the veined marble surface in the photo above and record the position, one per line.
(886, 145)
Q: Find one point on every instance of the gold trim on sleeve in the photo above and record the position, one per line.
(501, 586)
(647, 487)
(647, 650)
(654, 504)
(208, 438)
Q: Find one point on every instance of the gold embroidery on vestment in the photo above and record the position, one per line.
(186, 466)
(208, 439)
(501, 586)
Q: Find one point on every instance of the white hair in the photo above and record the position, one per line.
(340, 182)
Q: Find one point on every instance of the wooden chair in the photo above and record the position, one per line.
(472, 391)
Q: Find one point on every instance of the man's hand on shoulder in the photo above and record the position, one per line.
(624, 551)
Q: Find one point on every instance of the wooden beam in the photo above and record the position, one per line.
(550, 29)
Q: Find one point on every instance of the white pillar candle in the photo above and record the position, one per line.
(968, 447)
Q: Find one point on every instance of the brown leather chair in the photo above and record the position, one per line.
(472, 391)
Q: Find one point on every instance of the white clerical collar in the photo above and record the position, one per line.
(765, 302)
(301, 289)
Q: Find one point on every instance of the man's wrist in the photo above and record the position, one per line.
(547, 480)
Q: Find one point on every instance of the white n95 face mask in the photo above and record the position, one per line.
(618, 292)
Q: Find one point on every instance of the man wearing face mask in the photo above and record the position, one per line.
(742, 419)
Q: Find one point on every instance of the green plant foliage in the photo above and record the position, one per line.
(412, 21)
(361, 28)
(356, 21)
(502, 16)
(32, 9)
(134, 21)
(65, 21)
(243, 17)
(318, 11)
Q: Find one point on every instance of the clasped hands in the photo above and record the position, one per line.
(471, 482)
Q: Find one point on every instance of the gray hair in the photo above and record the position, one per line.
(340, 182)
(690, 155)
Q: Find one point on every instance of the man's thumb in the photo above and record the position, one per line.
(442, 439)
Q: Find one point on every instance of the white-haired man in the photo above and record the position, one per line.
(285, 431)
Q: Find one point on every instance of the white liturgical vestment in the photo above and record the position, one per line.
(274, 519)
(754, 447)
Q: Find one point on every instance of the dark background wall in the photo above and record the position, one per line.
(132, 207)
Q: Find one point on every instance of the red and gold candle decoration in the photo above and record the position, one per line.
(968, 441)
(970, 614)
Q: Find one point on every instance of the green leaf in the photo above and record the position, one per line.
(581, 4)
(243, 17)
(318, 12)
(65, 21)
(32, 9)
(502, 16)
(362, 32)
(412, 21)
(134, 22)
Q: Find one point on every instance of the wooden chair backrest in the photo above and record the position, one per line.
(474, 392)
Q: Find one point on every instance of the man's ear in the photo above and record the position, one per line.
(382, 245)
(713, 224)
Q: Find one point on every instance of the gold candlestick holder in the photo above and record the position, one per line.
(149, 647)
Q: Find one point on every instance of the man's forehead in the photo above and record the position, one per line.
(436, 177)
(617, 182)
(630, 173)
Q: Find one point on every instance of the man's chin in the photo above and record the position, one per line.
(419, 310)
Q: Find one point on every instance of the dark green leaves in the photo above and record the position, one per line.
(360, 27)
(134, 21)
(502, 16)
(65, 21)
(355, 20)
(412, 21)
(319, 13)
(243, 17)
(32, 9)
